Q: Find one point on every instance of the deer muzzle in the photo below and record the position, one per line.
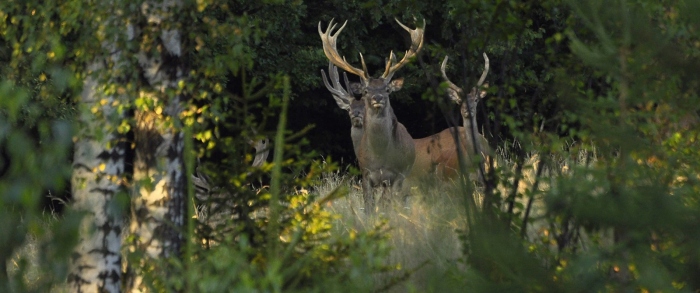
(377, 102)
(356, 121)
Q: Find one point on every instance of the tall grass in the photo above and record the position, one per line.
(423, 230)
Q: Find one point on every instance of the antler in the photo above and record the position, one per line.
(486, 71)
(457, 90)
(329, 48)
(340, 94)
(416, 46)
(453, 90)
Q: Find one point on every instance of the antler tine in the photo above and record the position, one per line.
(342, 97)
(486, 71)
(444, 76)
(347, 83)
(416, 46)
(333, 74)
(389, 61)
(362, 60)
(453, 91)
(329, 48)
(336, 89)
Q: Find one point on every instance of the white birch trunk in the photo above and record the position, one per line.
(98, 167)
(159, 203)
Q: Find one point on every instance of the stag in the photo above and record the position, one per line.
(386, 151)
(473, 139)
(346, 101)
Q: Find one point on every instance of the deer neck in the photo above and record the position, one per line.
(356, 136)
(473, 137)
(468, 123)
(379, 128)
(469, 120)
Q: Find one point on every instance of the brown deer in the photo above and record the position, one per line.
(474, 141)
(347, 102)
(386, 151)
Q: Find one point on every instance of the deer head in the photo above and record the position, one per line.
(469, 101)
(375, 91)
(357, 113)
(342, 97)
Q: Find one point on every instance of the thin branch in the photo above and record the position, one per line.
(535, 186)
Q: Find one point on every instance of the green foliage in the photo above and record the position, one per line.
(623, 216)
(261, 246)
(311, 260)
(249, 236)
(37, 44)
(33, 159)
(47, 47)
(35, 141)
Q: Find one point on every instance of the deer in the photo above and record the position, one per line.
(436, 155)
(346, 101)
(386, 152)
(475, 142)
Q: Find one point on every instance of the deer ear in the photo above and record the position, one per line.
(396, 84)
(482, 93)
(356, 88)
(454, 96)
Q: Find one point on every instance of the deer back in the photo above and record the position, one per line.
(436, 155)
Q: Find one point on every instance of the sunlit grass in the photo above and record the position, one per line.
(423, 231)
(28, 264)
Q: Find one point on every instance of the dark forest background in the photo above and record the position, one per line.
(523, 39)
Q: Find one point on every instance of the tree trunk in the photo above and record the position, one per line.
(98, 167)
(159, 202)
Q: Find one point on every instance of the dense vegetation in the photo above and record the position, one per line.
(592, 107)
